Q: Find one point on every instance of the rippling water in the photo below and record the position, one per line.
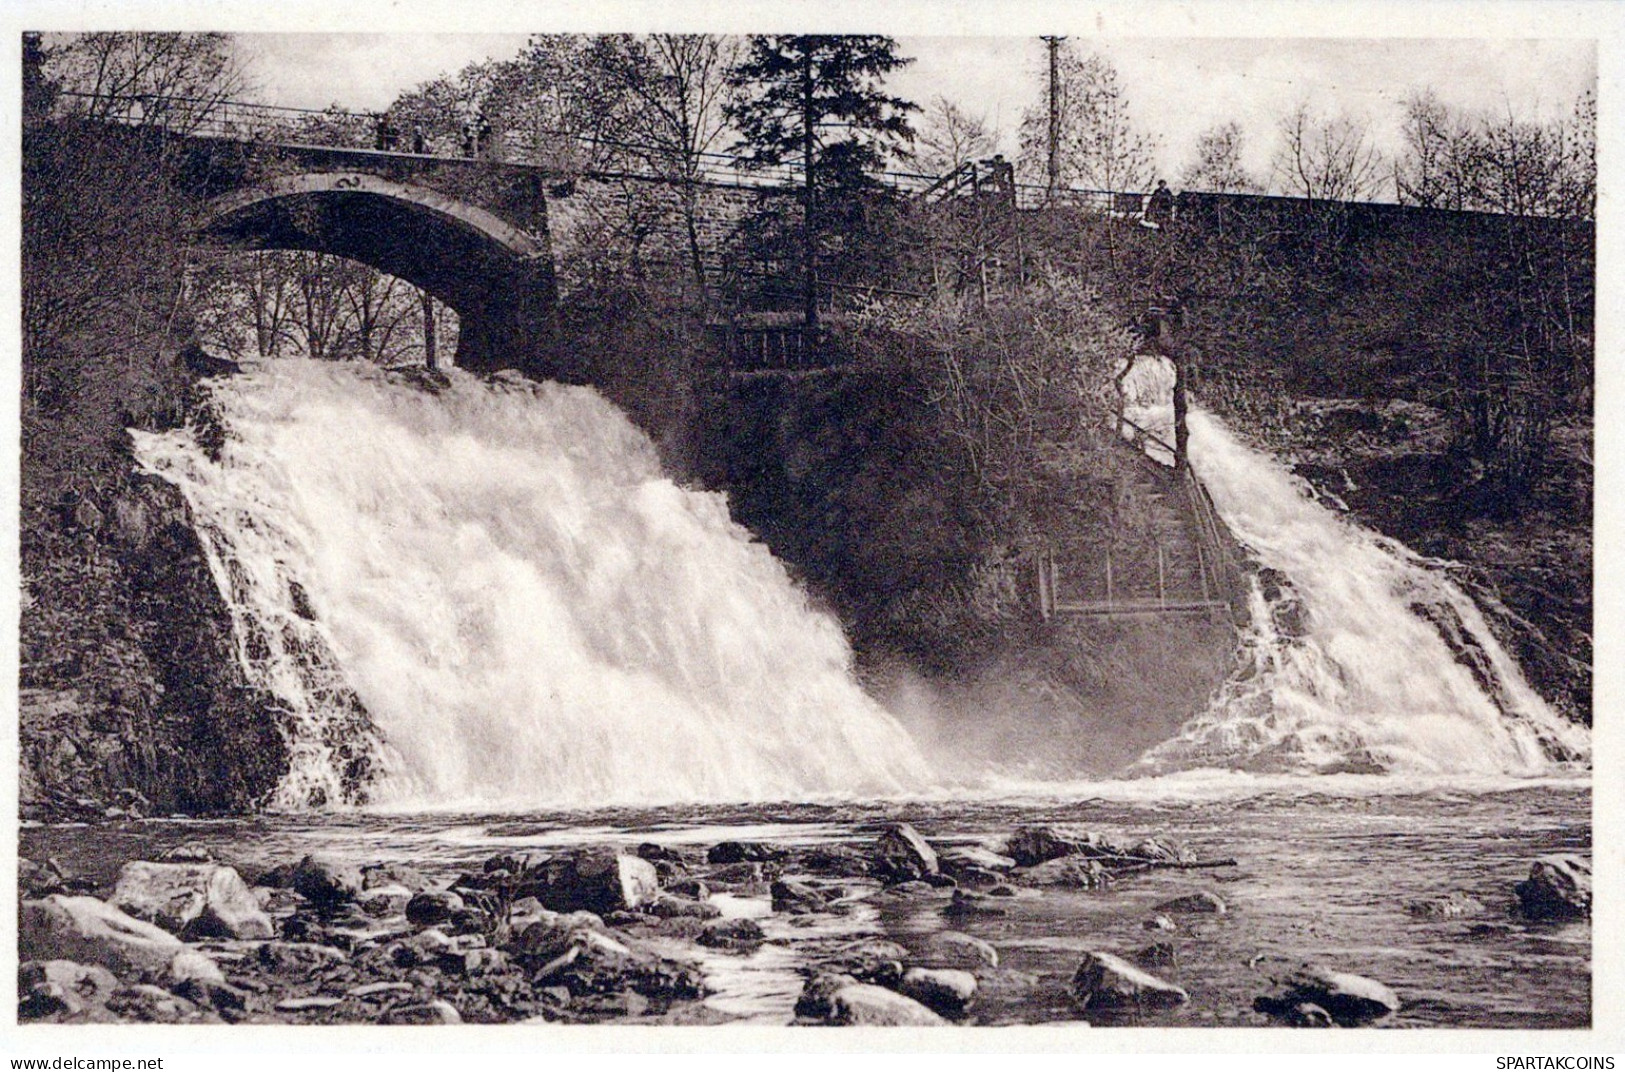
(1324, 869)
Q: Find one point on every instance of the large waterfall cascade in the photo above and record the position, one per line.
(1360, 655)
(532, 614)
(528, 609)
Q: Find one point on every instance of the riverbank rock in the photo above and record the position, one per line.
(1558, 887)
(376, 875)
(1203, 902)
(1350, 1000)
(48, 987)
(429, 1012)
(1309, 1014)
(430, 908)
(903, 855)
(194, 964)
(1105, 981)
(595, 880)
(741, 852)
(193, 900)
(90, 931)
(942, 990)
(840, 1000)
(324, 881)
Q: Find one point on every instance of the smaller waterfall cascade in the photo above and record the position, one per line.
(527, 609)
(1360, 655)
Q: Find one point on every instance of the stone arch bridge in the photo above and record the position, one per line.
(472, 233)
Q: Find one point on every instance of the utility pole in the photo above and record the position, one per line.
(1054, 44)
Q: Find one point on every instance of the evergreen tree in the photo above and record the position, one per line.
(815, 101)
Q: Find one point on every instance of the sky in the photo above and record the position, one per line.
(1177, 86)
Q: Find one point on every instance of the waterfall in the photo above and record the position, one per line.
(527, 610)
(1360, 655)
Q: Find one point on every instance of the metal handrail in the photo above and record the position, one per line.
(249, 121)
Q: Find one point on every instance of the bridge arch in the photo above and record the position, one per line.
(498, 277)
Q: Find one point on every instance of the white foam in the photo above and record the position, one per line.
(529, 610)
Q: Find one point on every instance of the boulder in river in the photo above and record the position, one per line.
(901, 855)
(670, 906)
(952, 949)
(965, 903)
(1066, 872)
(1157, 955)
(796, 898)
(972, 858)
(326, 882)
(1349, 999)
(737, 935)
(191, 852)
(1105, 981)
(870, 960)
(91, 931)
(841, 1000)
(1203, 902)
(193, 900)
(1558, 887)
(594, 880)
(1033, 845)
(948, 991)
(1452, 905)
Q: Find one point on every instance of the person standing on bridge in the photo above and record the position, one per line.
(420, 144)
(387, 137)
(1159, 209)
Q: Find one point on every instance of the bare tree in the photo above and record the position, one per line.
(1432, 168)
(676, 86)
(949, 137)
(176, 80)
(1101, 147)
(1326, 158)
(1217, 167)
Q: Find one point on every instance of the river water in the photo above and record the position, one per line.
(1324, 870)
(556, 645)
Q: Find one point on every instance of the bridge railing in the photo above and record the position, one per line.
(563, 150)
